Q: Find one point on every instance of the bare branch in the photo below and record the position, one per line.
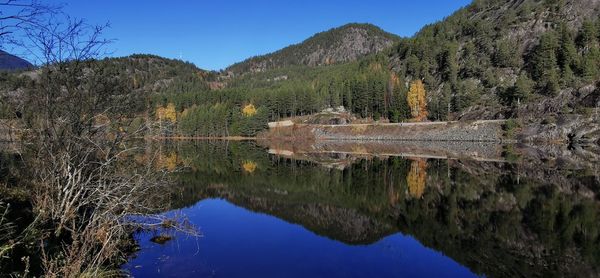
(85, 188)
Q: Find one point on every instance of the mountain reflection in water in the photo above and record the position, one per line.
(377, 210)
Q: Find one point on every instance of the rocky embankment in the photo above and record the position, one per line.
(568, 128)
(573, 116)
(473, 131)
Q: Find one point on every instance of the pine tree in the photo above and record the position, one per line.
(449, 63)
(444, 103)
(587, 35)
(467, 92)
(544, 66)
(567, 57)
(567, 53)
(506, 55)
(471, 63)
(589, 65)
(522, 88)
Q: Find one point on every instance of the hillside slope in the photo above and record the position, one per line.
(11, 62)
(155, 74)
(535, 60)
(489, 44)
(338, 45)
(148, 77)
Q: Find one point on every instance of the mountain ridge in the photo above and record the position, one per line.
(11, 62)
(345, 43)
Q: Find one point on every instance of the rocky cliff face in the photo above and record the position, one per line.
(525, 20)
(356, 41)
(343, 44)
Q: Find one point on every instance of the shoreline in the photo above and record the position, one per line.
(203, 138)
(349, 139)
(450, 131)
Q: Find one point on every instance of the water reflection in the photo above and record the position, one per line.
(344, 202)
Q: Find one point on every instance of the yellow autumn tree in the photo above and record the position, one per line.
(168, 113)
(249, 166)
(417, 178)
(168, 161)
(417, 100)
(249, 110)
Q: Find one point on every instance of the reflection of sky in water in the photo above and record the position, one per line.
(240, 243)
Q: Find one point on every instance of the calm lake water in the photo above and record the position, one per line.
(336, 211)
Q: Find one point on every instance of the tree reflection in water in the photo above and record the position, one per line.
(499, 219)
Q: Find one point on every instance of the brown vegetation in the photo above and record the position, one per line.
(85, 197)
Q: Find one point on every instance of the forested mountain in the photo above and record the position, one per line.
(342, 44)
(494, 54)
(536, 61)
(12, 62)
(154, 74)
(145, 75)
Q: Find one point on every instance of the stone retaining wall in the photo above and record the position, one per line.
(482, 131)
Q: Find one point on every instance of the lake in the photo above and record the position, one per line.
(376, 210)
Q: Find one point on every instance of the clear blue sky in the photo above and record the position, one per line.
(214, 34)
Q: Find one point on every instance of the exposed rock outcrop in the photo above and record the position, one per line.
(343, 44)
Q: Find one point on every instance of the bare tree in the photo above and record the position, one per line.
(77, 113)
(19, 15)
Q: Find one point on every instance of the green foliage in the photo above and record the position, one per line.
(458, 59)
(544, 65)
(487, 49)
(511, 154)
(250, 126)
(519, 92)
(449, 63)
(507, 55)
(151, 74)
(367, 88)
(510, 127)
(210, 121)
(467, 93)
(567, 54)
(587, 35)
(589, 65)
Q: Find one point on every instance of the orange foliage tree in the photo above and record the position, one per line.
(417, 100)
